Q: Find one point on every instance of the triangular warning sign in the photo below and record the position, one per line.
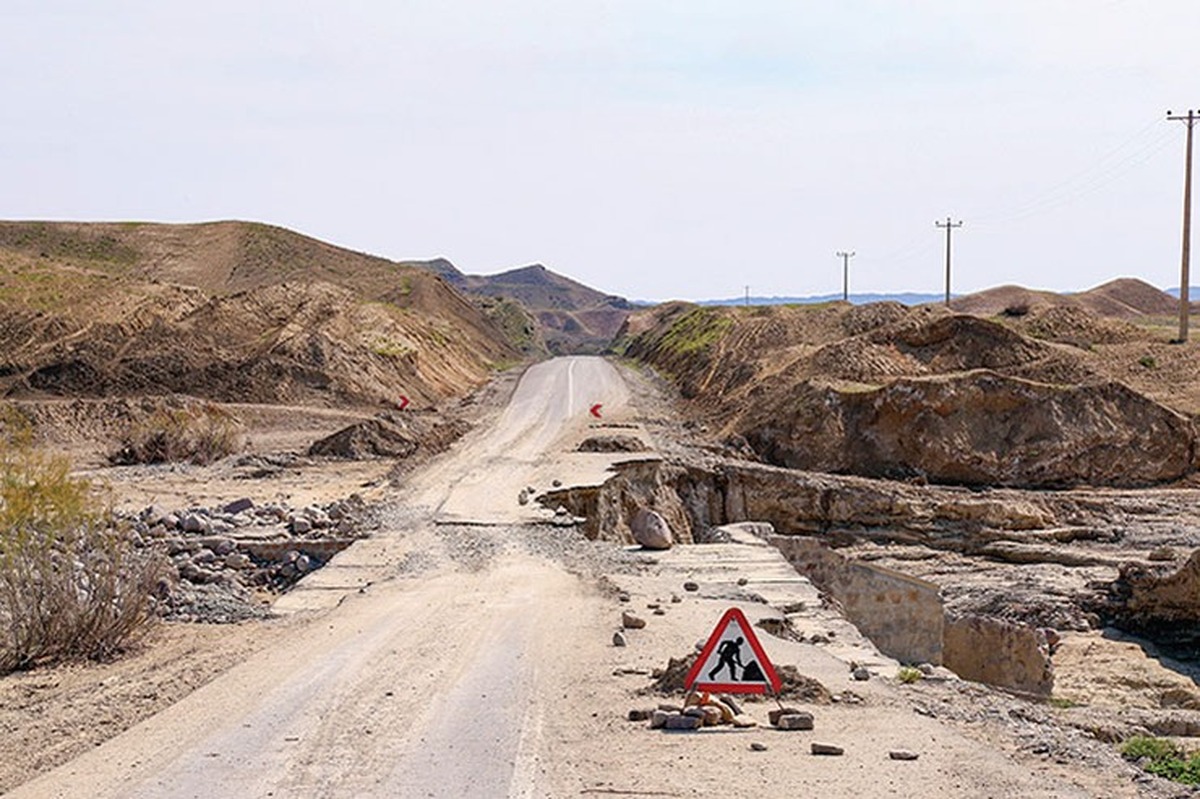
(733, 661)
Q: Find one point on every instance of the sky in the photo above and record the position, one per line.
(655, 149)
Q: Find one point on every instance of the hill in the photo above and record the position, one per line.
(568, 317)
(228, 311)
(1051, 396)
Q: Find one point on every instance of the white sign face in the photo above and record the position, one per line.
(732, 660)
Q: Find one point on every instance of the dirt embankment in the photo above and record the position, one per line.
(1043, 399)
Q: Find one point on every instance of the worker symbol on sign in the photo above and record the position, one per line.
(733, 661)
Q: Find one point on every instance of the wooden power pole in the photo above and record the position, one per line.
(846, 256)
(1184, 276)
(949, 226)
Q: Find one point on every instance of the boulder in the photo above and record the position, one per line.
(651, 530)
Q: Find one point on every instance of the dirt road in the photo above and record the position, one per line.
(429, 684)
(477, 662)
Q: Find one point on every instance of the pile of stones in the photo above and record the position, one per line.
(219, 557)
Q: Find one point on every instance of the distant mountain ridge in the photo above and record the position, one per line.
(1123, 297)
(904, 298)
(568, 316)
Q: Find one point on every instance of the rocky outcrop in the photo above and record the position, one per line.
(979, 428)
(1162, 604)
(998, 652)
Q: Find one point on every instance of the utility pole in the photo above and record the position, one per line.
(846, 256)
(747, 297)
(949, 226)
(1184, 276)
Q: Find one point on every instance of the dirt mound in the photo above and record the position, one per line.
(1078, 327)
(388, 436)
(230, 312)
(1012, 301)
(374, 438)
(915, 346)
(795, 686)
(978, 428)
(1127, 298)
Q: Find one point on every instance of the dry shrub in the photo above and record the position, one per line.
(198, 434)
(72, 584)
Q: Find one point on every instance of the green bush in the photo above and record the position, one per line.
(1148, 362)
(72, 583)
(908, 674)
(197, 434)
(1163, 758)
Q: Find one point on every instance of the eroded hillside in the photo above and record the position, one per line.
(229, 311)
(1052, 396)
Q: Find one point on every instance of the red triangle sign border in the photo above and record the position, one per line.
(734, 614)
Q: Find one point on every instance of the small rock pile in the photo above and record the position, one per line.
(220, 556)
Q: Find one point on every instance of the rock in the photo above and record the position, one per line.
(742, 721)
(300, 525)
(694, 710)
(712, 715)
(612, 443)
(556, 483)
(651, 530)
(742, 581)
(632, 622)
(827, 749)
(755, 746)
(818, 639)
(794, 721)
(1162, 554)
(195, 523)
(928, 669)
(691, 586)
(640, 714)
(658, 719)
(861, 674)
(676, 599)
(304, 564)
(154, 514)
(523, 498)
(670, 708)
(659, 612)
(623, 597)
(204, 556)
(238, 506)
(726, 712)
(902, 754)
(221, 545)
(618, 639)
(683, 722)
(237, 560)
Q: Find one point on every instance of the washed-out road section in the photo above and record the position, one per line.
(455, 656)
